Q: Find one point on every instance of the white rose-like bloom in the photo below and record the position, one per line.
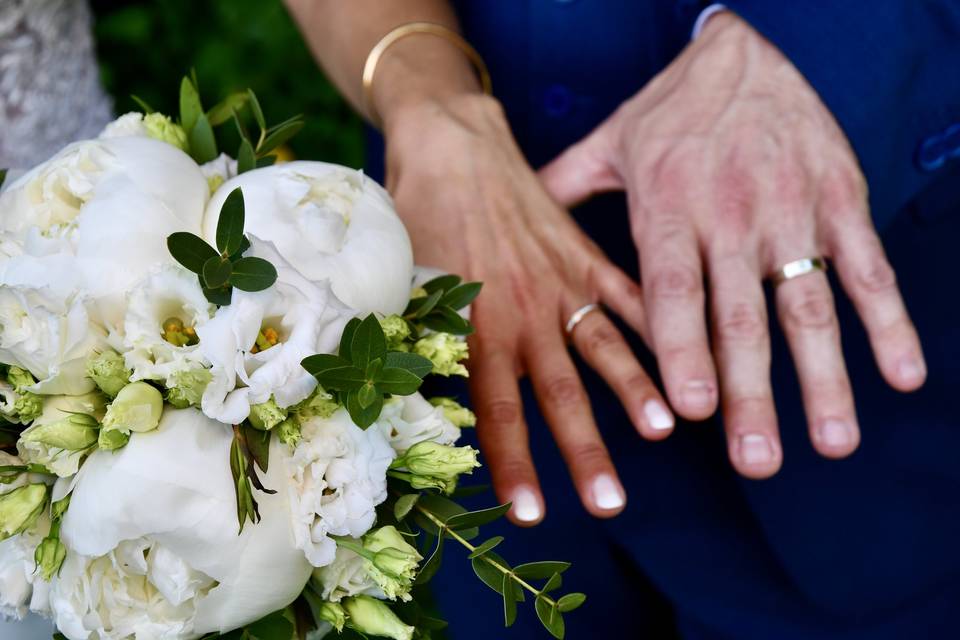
(407, 420)
(348, 575)
(170, 492)
(21, 588)
(49, 336)
(129, 124)
(329, 222)
(338, 476)
(169, 291)
(308, 319)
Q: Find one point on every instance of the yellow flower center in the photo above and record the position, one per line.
(179, 335)
(267, 338)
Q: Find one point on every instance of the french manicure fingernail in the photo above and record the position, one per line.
(698, 394)
(657, 415)
(912, 370)
(755, 449)
(526, 506)
(607, 492)
(835, 433)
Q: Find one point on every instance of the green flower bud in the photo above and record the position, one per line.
(320, 404)
(185, 388)
(137, 408)
(28, 406)
(112, 439)
(456, 413)
(371, 616)
(58, 440)
(289, 432)
(20, 379)
(20, 509)
(109, 372)
(445, 351)
(438, 460)
(50, 553)
(396, 330)
(334, 614)
(394, 561)
(161, 127)
(58, 508)
(267, 415)
(72, 432)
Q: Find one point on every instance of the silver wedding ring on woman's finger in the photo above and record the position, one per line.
(798, 268)
(577, 316)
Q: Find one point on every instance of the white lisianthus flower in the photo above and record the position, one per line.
(338, 477)
(169, 292)
(199, 576)
(303, 319)
(408, 420)
(330, 223)
(48, 336)
(348, 575)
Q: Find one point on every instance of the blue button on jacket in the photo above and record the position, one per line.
(864, 548)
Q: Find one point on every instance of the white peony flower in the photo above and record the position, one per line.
(129, 124)
(348, 575)
(168, 293)
(170, 493)
(303, 319)
(49, 336)
(330, 223)
(152, 125)
(338, 477)
(407, 420)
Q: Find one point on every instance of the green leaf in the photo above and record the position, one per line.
(258, 443)
(253, 274)
(551, 618)
(323, 362)
(190, 107)
(540, 570)
(272, 627)
(348, 378)
(203, 145)
(461, 296)
(3, 176)
(190, 250)
(230, 223)
(490, 575)
(241, 129)
(361, 415)
(443, 509)
(485, 547)
(419, 307)
(216, 272)
(347, 337)
(477, 518)
(266, 161)
(571, 601)
(366, 395)
(279, 134)
(554, 583)
(244, 245)
(415, 364)
(398, 382)
(446, 320)
(429, 568)
(223, 110)
(509, 600)
(404, 504)
(473, 490)
(368, 342)
(257, 111)
(246, 160)
(220, 297)
(147, 109)
(442, 283)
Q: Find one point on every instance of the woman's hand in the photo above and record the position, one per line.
(474, 207)
(733, 168)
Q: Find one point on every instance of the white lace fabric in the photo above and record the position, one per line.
(50, 91)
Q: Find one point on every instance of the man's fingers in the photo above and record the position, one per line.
(584, 169)
(869, 280)
(603, 347)
(564, 403)
(503, 433)
(674, 295)
(742, 346)
(806, 311)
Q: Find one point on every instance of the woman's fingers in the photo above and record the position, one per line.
(742, 346)
(602, 346)
(806, 311)
(502, 431)
(565, 405)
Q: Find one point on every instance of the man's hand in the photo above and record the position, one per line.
(475, 207)
(733, 168)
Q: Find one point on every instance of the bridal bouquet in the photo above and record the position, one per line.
(211, 419)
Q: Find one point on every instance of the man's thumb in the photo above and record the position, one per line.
(584, 169)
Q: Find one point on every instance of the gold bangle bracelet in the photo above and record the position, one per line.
(409, 29)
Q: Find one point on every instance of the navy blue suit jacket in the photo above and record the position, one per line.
(868, 547)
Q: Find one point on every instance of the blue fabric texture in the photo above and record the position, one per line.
(864, 548)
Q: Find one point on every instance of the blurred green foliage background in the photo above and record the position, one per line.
(146, 46)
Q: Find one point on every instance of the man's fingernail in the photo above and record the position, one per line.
(607, 492)
(526, 506)
(699, 394)
(657, 415)
(755, 449)
(835, 433)
(912, 370)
